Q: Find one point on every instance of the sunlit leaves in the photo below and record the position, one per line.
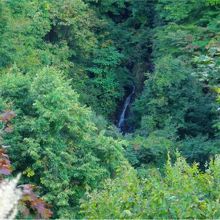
(55, 143)
(104, 80)
(183, 192)
(213, 2)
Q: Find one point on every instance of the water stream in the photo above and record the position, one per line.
(122, 118)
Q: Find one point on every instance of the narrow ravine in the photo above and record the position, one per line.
(137, 68)
(122, 118)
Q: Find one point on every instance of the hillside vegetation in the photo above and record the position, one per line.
(66, 68)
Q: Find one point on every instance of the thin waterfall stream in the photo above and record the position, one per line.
(122, 117)
(124, 123)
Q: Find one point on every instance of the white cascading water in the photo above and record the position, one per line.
(127, 102)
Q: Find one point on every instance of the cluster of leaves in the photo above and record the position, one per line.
(29, 202)
(182, 192)
(5, 164)
(144, 152)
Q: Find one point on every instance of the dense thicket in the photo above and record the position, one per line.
(178, 100)
(184, 192)
(55, 143)
(66, 67)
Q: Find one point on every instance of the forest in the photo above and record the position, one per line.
(110, 109)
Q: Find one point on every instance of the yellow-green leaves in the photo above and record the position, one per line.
(184, 192)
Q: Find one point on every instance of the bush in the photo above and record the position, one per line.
(184, 192)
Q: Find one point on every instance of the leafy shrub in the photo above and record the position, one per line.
(184, 192)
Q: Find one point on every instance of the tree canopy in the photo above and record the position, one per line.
(69, 71)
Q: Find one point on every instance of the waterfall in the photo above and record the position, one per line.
(121, 122)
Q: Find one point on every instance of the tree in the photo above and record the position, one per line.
(55, 144)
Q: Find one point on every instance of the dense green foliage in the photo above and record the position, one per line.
(184, 192)
(66, 67)
(55, 143)
(178, 99)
